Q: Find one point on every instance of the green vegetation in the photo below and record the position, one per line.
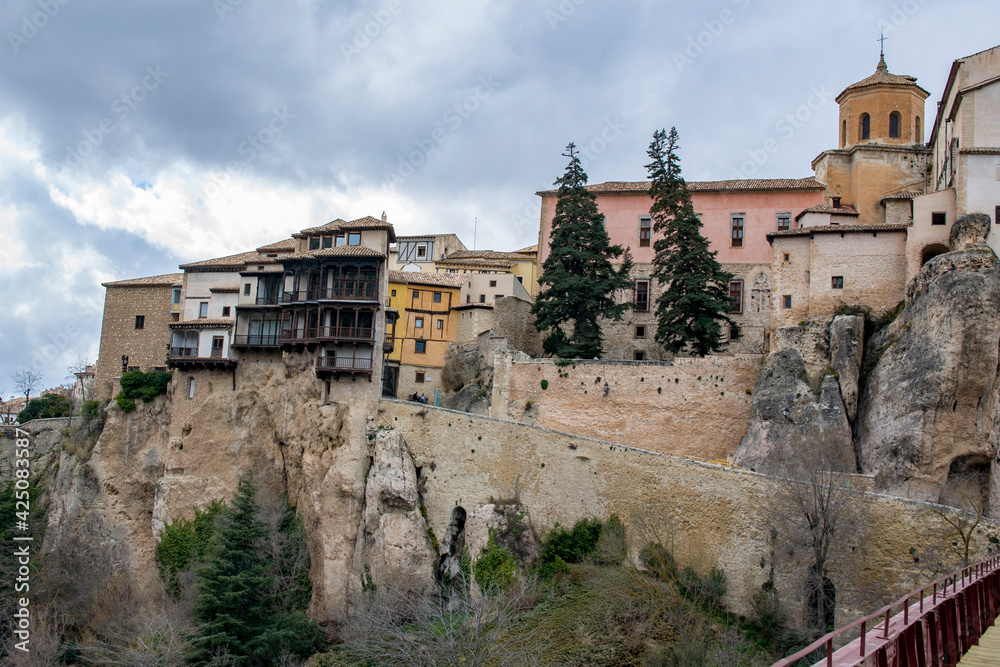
(561, 546)
(185, 542)
(143, 386)
(46, 407)
(495, 568)
(91, 409)
(578, 280)
(695, 301)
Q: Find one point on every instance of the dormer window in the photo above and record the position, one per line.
(341, 240)
(354, 238)
(327, 242)
(314, 243)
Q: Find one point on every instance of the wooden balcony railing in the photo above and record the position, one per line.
(345, 333)
(256, 340)
(273, 300)
(305, 335)
(359, 290)
(344, 364)
(216, 353)
(183, 352)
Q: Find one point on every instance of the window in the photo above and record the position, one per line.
(865, 127)
(420, 346)
(894, 125)
(203, 310)
(440, 325)
(918, 136)
(939, 219)
(393, 292)
(482, 298)
(788, 300)
(340, 240)
(638, 355)
(786, 257)
(140, 321)
(604, 221)
(642, 296)
(837, 282)
(734, 333)
(418, 376)
(996, 216)
(327, 242)
(421, 251)
(246, 289)
(493, 283)
(314, 244)
(640, 331)
(784, 222)
(437, 297)
(416, 294)
(418, 322)
(354, 238)
(736, 295)
(176, 296)
(225, 311)
(843, 135)
(190, 387)
(736, 229)
(217, 344)
(645, 231)
(497, 297)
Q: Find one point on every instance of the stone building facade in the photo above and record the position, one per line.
(135, 332)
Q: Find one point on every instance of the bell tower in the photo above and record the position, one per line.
(884, 108)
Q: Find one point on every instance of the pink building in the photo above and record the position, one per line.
(736, 216)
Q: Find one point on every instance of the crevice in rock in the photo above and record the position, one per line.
(449, 564)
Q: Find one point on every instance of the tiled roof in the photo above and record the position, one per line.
(485, 254)
(749, 185)
(839, 229)
(167, 279)
(436, 279)
(882, 77)
(530, 250)
(336, 251)
(230, 262)
(224, 290)
(905, 194)
(826, 208)
(982, 150)
(367, 222)
(285, 245)
(478, 261)
(203, 324)
(328, 227)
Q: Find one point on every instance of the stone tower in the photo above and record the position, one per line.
(881, 156)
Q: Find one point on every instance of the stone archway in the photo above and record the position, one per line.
(931, 251)
(760, 294)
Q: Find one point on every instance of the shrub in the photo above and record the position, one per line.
(612, 547)
(183, 543)
(709, 590)
(145, 386)
(495, 568)
(46, 407)
(659, 562)
(545, 384)
(91, 409)
(125, 402)
(571, 546)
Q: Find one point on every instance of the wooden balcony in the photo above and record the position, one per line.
(344, 364)
(327, 335)
(352, 290)
(187, 357)
(257, 340)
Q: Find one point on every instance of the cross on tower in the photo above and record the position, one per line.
(882, 40)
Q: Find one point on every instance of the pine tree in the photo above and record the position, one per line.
(240, 613)
(578, 280)
(694, 300)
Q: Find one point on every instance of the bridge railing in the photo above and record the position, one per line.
(936, 625)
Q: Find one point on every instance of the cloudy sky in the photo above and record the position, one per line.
(135, 136)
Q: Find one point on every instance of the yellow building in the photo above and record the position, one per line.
(424, 327)
(522, 264)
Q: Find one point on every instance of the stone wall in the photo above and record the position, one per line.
(715, 516)
(147, 347)
(689, 407)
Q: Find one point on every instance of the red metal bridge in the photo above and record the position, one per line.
(940, 624)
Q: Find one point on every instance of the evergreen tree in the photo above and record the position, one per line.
(695, 299)
(240, 613)
(578, 278)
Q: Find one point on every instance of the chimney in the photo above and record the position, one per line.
(384, 218)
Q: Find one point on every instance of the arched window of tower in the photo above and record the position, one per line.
(894, 123)
(865, 131)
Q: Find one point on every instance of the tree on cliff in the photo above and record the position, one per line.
(241, 614)
(578, 280)
(694, 302)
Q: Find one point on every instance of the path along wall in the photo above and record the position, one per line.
(696, 408)
(716, 516)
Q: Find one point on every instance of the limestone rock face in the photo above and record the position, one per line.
(397, 550)
(790, 425)
(927, 424)
(969, 231)
(847, 343)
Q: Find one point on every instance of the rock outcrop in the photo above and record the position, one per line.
(847, 343)
(790, 425)
(928, 426)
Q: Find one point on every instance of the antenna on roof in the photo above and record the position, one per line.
(475, 231)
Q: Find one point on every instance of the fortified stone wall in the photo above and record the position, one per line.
(689, 407)
(712, 515)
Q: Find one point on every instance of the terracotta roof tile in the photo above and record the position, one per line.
(478, 261)
(530, 250)
(328, 227)
(485, 254)
(285, 245)
(336, 251)
(171, 279)
(366, 222)
(436, 279)
(230, 262)
(203, 324)
(839, 229)
(749, 185)
(980, 150)
(826, 208)
(882, 77)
